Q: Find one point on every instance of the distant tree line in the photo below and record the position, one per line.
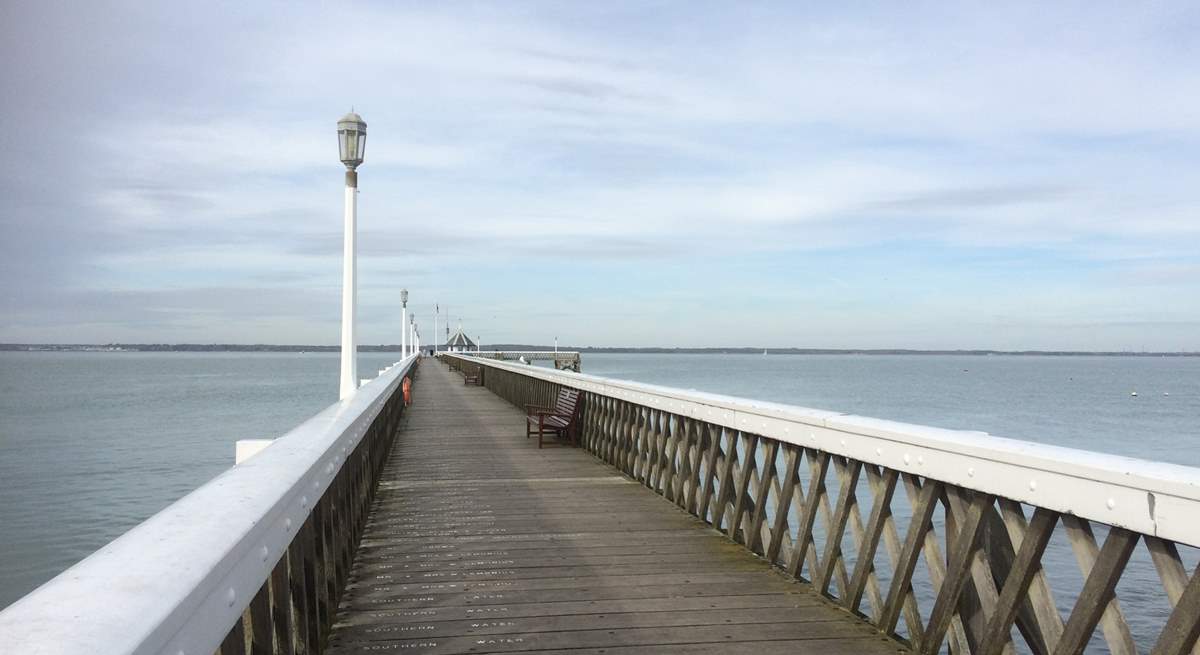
(235, 347)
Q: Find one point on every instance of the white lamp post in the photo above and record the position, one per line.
(403, 323)
(412, 331)
(435, 318)
(352, 141)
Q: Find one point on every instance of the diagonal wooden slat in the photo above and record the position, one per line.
(712, 439)
(892, 543)
(848, 471)
(696, 476)
(1179, 635)
(669, 469)
(984, 594)
(804, 527)
(1170, 569)
(1025, 567)
(907, 564)
(1112, 622)
(725, 480)
(881, 509)
(666, 463)
(790, 476)
(683, 451)
(753, 536)
(966, 543)
(1049, 623)
(936, 565)
(741, 498)
(1097, 593)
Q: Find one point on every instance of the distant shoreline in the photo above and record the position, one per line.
(192, 348)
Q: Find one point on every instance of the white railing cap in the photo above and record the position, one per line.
(178, 582)
(1154, 498)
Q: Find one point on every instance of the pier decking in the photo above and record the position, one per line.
(478, 542)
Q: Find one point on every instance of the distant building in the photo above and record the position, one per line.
(460, 342)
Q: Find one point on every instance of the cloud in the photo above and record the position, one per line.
(196, 151)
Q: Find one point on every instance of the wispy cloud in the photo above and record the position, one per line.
(516, 152)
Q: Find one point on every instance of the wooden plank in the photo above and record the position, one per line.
(725, 479)
(892, 543)
(1025, 567)
(966, 544)
(784, 504)
(712, 437)
(1041, 598)
(753, 535)
(1097, 592)
(880, 510)
(907, 564)
(816, 490)
(281, 615)
(1183, 626)
(552, 550)
(1113, 624)
(848, 471)
(741, 498)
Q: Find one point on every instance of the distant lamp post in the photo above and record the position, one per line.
(412, 330)
(352, 141)
(403, 323)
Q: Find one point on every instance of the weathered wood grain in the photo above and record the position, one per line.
(479, 542)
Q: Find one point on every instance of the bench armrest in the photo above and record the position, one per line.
(529, 408)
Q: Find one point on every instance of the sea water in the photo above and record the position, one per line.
(93, 443)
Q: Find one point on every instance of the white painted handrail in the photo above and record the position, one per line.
(178, 582)
(1152, 498)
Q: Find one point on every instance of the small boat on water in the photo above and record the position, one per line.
(1133, 393)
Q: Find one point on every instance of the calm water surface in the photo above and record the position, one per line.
(93, 443)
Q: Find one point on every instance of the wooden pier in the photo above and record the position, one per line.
(686, 522)
(478, 542)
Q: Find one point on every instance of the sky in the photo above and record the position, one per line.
(833, 175)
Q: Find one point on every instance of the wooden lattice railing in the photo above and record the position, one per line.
(254, 561)
(943, 540)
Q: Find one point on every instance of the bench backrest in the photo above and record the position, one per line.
(567, 402)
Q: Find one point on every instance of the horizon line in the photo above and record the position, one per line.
(782, 350)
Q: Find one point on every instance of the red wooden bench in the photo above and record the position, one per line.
(558, 421)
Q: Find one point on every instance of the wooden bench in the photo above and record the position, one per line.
(558, 421)
(475, 378)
